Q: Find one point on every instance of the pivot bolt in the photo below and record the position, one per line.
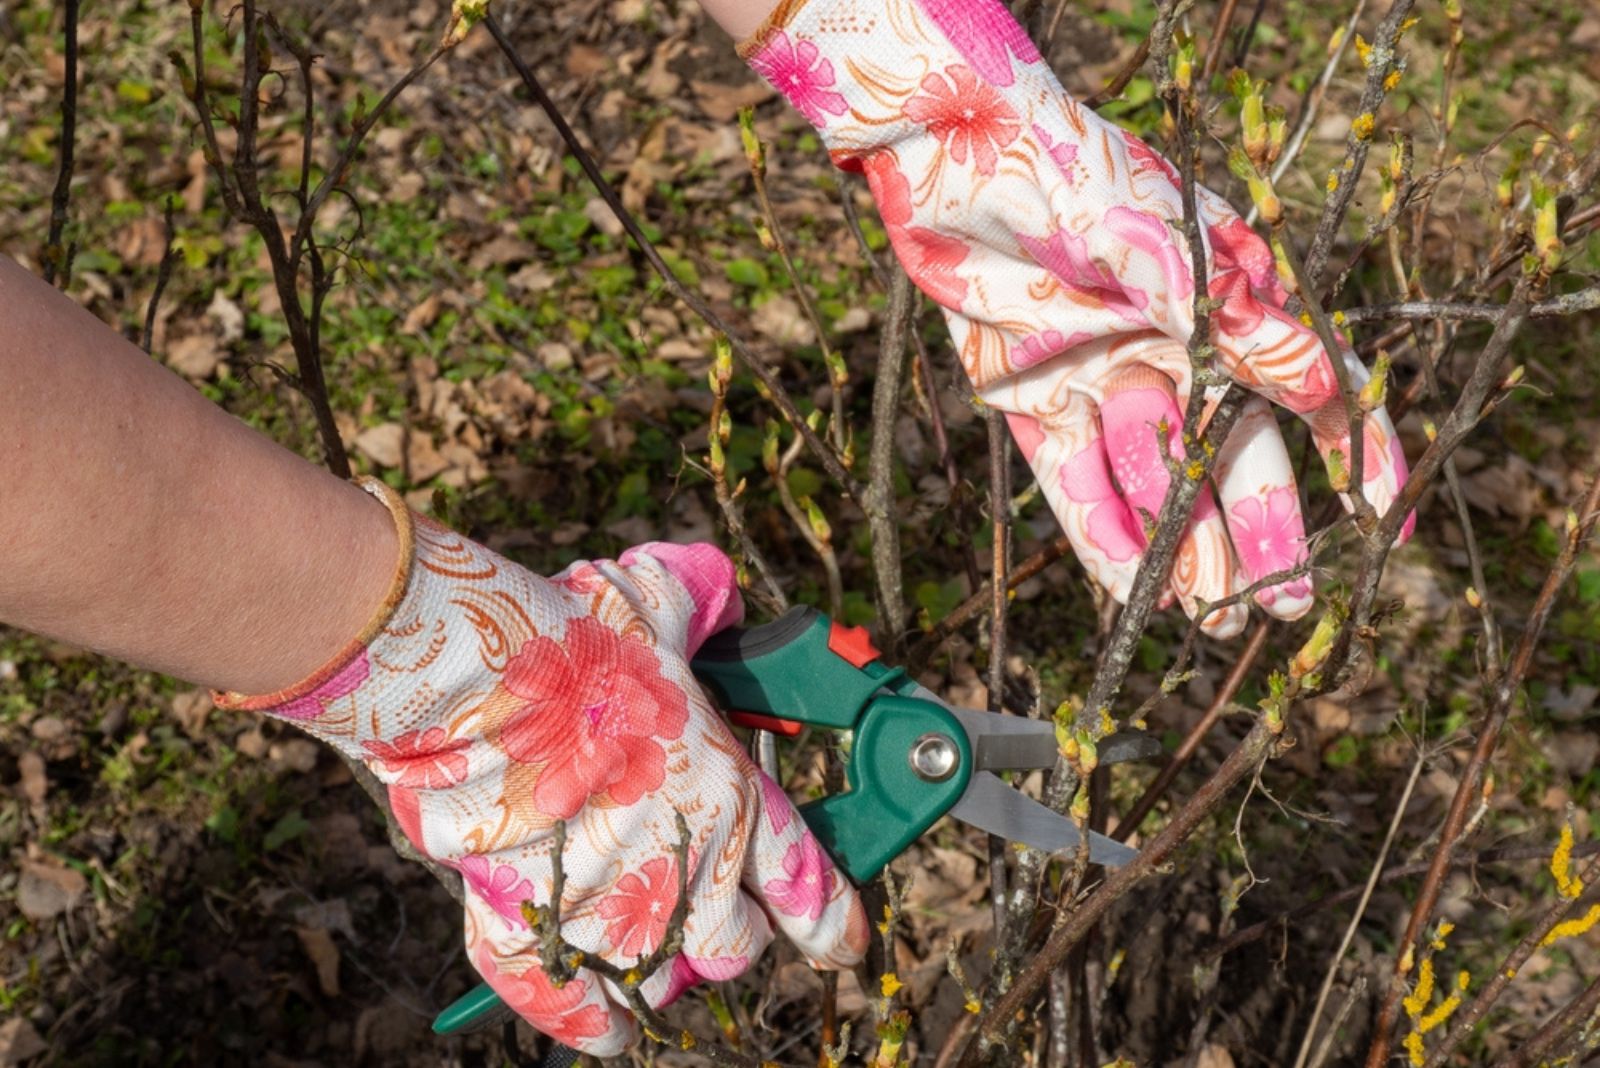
(934, 757)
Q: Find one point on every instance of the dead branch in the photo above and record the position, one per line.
(57, 258)
(1585, 300)
(1000, 601)
(169, 258)
(879, 504)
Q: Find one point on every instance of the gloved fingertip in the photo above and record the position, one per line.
(710, 578)
(1226, 622)
(1287, 601)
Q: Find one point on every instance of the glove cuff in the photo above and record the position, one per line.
(406, 537)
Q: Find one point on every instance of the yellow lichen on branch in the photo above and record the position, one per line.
(1568, 885)
(1571, 928)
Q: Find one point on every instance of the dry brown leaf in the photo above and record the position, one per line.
(422, 458)
(47, 889)
(853, 321)
(532, 278)
(382, 444)
(252, 743)
(194, 193)
(781, 319)
(721, 103)
(295, 754)
(318, 944)
(19, 1042)
(424, 315)
(1508, 490)
(554, 356)
(142, 242)
(49, 729)
(1214, 1056)
(604, 219)
(195, 356)
(35, 783)
(331, 915)
(466, 466)
(407, 187)
(584, 61)
(191, 709)
(503, 250)
(228, 316)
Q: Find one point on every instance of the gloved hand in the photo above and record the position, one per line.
(494, 702)
(1052, 240)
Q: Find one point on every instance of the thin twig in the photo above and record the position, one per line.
(1244, 759)
(1308, 113)
(1384, 60)
(1187, 480)
(719, 432)
(1190, 745)
(1219, 37)
(1358, 990)
(973, 606)
(756, 156)
(806, 515)
(1360, 911)
(1000, 599)
(562, 961)
(1542, 1042)
(169, 258)
(1498, 855)
(1585, 300)
(831, 461)
(58, 257)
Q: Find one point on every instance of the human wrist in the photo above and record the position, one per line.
(386, 558)
(739, 18)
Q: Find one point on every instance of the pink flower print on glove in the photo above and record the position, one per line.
(801, 76)
(625, 710)
(495, 703)
(341, 684)
(1052, 240)
(808, 880)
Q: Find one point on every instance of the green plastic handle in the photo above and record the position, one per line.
(467, 1012)
(888, 805)
(791, 669)
(788, 669)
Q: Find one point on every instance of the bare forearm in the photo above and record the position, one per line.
(141, 521)
(739, 18)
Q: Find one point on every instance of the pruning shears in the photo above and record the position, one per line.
(913, 756)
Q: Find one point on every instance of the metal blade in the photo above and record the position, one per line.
(1129, 745)
(1007, 742)
(990, 805)
(1011, 743)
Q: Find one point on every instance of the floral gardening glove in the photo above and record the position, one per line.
(494, 702)
(1051, 238)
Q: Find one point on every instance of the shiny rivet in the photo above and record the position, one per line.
(934, 757)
